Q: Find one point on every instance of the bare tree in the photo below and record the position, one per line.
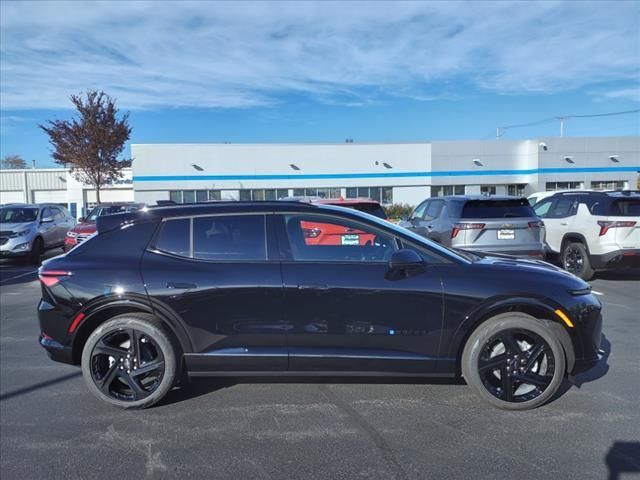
(13, 162)
(91, 143)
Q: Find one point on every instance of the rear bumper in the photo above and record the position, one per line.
(625, 258)
(55, 350)
(538, 252)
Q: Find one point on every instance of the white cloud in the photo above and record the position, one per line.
(208, 54)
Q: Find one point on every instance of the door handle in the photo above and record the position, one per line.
(430, 227)
(181, 286)
(312, 286)
(564, 224)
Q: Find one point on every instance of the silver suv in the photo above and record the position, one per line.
(479, 223)
(30, 230)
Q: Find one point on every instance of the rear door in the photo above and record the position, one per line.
(215, 273)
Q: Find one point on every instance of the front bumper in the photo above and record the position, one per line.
(15, 247)
(617, 259)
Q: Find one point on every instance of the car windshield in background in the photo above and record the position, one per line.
(98, 212)
(18, 215)
(497, 209)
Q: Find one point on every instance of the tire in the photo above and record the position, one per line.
(154, 348)
(548, 366)
(575, 259)
(37, 249)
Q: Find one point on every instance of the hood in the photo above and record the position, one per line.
(84, 228)
(15, 227)
(528, 266)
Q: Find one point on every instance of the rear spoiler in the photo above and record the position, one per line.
(117, 221)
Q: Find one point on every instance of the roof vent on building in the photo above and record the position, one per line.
(294, 167)
(614, 158)
(477, 162)
(569, 159)
(197, 167)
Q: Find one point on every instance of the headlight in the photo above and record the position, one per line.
(20, 234)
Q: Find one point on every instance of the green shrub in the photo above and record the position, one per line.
(398, 211)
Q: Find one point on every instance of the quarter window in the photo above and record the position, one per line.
(174, 237)
(229, 237)
(322, 238)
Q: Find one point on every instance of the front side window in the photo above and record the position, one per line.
(229, 237)
(563, 207)
(325, 238)
(420, 210)
(435, 207)
(542, 208)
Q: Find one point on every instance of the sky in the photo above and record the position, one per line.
(243, 72)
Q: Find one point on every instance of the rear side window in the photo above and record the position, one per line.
(625, 208)
(497, 209)
(174, 237)
(230, 237)
(434, 209)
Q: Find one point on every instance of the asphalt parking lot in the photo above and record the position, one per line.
(52, 427)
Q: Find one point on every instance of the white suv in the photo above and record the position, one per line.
(592, 230)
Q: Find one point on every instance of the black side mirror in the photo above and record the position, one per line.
(81, 219)
(406, 259)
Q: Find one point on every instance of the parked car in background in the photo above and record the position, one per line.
(480, 224)
(30, 230)
(591, 230)
(234, 289)
(87, 225)
(331, 234)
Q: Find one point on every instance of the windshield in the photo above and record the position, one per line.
(497, 209)
(99, 211)
(18, 215)
(408, 233)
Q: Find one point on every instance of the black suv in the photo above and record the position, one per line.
(232, 289)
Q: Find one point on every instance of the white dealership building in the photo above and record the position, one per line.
(389, 172)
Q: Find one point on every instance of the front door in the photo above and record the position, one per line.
(347, 311)
(219, 281)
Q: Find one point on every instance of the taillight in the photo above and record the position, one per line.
(606, 225)
(537, 224)
(311, 232)
(465, 226)
(52, 277)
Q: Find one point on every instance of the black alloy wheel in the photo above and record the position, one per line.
(516, 365)
(514, 361)
(575, 259)
(127, 365)
(130, 361)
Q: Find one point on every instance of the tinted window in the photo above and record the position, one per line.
(229, 237)
(625, 208)
(563, 207)
(316, 237)
(497, 209)
(434, 209)
(174, 237)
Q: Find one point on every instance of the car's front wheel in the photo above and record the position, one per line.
(514, 361)
(130, 361)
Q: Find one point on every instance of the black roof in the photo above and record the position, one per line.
(109, 222)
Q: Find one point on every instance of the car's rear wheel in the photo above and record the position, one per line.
(37, 249)
(130, 361)
(514, 361)
(575, 259)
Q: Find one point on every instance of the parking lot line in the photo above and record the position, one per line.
(17, 276)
